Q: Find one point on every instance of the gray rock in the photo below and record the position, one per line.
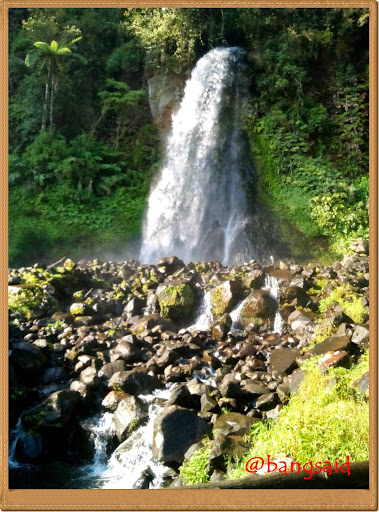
(129, 415)
(134, 382)
(27, 357)
(331, 344)
(267, 401)
(234, 423)
(362, 384)
(283, 359)
(175, 430)
(360, 336)
(110, 369)
(89, 377)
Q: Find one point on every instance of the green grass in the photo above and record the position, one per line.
(349, 300)
(195, 469)
(323, 421)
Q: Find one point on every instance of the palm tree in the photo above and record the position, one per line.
(49, 56)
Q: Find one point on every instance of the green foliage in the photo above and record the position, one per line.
(195, 469)
(307, 121)
(31, 302)
(323, 421)
(347, 297)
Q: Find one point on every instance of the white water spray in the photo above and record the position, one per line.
(272, 285)
(132, 457)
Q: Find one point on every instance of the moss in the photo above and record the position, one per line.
(69, 265)
(79, 295)
(348, 298)
(31, 302)
(322, 331)
(35, 420)
(219, 304)
(78, 309)
(176, 301)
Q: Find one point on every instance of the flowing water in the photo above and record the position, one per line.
(197, 206)
(204, 315)
(132, 457)
(272, 285)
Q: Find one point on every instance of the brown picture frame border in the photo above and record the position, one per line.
(192, 499)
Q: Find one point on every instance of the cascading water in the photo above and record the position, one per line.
(204, 315)
(272, 285)
(132, 457)
(197, 207)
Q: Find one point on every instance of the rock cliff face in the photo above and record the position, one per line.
(165, 94)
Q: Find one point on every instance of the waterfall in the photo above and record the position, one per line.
(272, 285)
(197, 206)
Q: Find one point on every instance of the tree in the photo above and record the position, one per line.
(49, 57)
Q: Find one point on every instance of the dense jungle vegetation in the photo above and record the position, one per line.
(84, 147)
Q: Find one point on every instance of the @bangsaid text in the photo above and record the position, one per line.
(259, 464)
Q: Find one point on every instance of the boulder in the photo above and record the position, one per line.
(89, 377)
(134, 382)
(335, 358)
(129, 352)
(234, 423)
(147, 322)
(330, 345)
(176, 300)
(54, 412)
(283, 360)
(28, 358)
(255, 279)
(182, 397)
(30, 447)
(80, 309)
(360, 246)
(302, 323)
(110, 369)
(259, 309)
(134, 306)
(266, 401)
(362, 384)
(291, 298)
(112, 399)
(225, 297)
(175, 430)
(131, 412)
(170, 265)
(360, 336)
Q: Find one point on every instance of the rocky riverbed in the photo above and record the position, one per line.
(119, 370)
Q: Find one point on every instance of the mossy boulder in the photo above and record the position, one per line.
(131, 412)
(80, 309)
(176, 300)
(258, 309)
(291, 298)
(225, 297)
(54, 412)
